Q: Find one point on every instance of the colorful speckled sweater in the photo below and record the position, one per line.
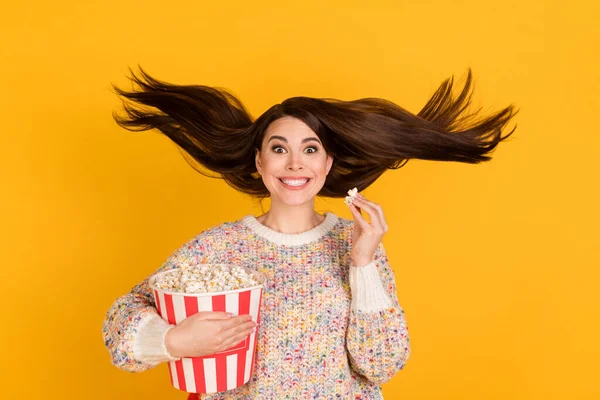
(328, 329)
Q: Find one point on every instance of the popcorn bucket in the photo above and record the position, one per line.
(222, 371)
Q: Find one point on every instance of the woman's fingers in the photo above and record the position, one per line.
(373, 215)
(236, 335)
(234, 322)
(358, 218)
(202, 315)
(238, 329)
(375, 212)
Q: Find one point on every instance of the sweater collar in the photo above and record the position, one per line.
(291, 239)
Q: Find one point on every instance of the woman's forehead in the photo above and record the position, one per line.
(290, 128)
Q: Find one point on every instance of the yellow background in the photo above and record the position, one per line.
(496, 263)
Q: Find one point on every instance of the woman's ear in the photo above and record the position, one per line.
(257, 161)
(329, 163)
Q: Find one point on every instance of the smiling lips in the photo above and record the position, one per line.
(294, 183)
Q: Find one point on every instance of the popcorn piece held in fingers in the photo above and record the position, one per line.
(351, 195)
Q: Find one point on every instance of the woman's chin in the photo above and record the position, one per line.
(293, 201)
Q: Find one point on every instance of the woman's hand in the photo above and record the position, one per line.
(366, 236)
(207, 333)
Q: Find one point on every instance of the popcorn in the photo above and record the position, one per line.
(205, 278)
(195, 287)
(351, 195)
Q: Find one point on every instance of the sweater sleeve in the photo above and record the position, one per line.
(377, 338)
(134, 333)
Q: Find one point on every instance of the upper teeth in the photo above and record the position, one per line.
(295, 182)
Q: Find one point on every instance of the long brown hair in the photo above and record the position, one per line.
(365, 136)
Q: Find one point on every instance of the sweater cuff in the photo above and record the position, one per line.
(149, 344)
(368, 294)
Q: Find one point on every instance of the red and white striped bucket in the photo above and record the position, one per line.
(222, 371)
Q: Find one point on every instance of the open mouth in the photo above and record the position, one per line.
(295, 184)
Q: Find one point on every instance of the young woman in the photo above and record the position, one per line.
(331, 324)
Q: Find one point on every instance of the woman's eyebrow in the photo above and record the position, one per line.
(308, 139)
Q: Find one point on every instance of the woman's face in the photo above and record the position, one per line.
(292, 163)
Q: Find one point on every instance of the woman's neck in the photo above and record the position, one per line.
(288, 222)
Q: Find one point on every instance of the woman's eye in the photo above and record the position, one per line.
(276, 148)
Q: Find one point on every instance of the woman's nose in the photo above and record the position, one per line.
(294, 167)
(294, 162)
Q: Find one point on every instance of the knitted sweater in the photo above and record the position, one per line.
(328, 329)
